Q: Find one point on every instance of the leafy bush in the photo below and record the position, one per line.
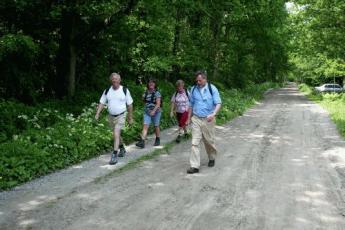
(40, 150)
(305, 88)
(16, 117)
(331, 96)
(10, 123)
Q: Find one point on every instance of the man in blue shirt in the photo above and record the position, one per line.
(205, 104)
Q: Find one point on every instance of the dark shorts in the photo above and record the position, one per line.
(182, 119)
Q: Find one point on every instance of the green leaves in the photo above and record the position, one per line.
(318, 40)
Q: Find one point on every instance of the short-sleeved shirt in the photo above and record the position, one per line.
(149, 102)
(116, 100)
(181, 100)
(202, 101)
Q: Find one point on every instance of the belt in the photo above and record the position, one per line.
(116, 115)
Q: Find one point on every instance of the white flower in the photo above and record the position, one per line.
(25, 117)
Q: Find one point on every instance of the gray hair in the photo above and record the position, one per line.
(179, 82)
(202, 73)
(116, 75)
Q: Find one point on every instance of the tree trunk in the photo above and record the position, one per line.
(72, 60)
(216, 30)
(67, 57)
(71, 71)
(176, 44)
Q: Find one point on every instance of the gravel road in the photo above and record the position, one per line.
(281, 166)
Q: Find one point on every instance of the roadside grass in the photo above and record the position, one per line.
(48, 139)
(333, 103)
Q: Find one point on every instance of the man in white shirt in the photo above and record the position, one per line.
(119, 100)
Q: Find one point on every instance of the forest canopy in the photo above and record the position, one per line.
(58, 49)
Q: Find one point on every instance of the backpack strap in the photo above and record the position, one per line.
(106, 91)
(124, 88)
(209, 88)
(153, 97)
(185, 91)
(193, 88)
(145, 95)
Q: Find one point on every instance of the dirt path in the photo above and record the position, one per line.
(282, 166)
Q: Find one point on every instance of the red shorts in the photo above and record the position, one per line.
(182, 119)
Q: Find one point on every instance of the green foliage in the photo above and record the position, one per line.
(17, 60)
(316, 49)
(10, 123)
(306, 89)
(237, 42)
(39, 150)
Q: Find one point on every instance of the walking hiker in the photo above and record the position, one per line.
(152, 112)
(119, 100)
(205, 104)
(180, 105)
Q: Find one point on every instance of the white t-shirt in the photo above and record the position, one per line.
(116, 100)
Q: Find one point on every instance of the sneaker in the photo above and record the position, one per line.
(122, 151)
(113, 159)
(140, 144)
(178, 139)
(157, 142)
(211, 163)
(192, 170)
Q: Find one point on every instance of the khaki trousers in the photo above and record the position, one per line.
(205, 131)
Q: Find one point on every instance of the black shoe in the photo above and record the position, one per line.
(211, 163)
(178, 139)
(192, 170)
(113, 159)
(122, 152)
(157, 142)
(140, 144)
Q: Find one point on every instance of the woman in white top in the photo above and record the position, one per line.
(180, 106)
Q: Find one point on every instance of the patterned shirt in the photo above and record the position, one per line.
(149, 103)
(181, 101)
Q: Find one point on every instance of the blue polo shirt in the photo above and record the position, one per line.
(202, 101)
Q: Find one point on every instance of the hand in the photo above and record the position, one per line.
(171, 114)
(188, 121)
(210, 117)
(152, 113)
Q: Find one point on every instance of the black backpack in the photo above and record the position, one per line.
(124, 88)
(153, 101)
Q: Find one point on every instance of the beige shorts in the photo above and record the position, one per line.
(117, 122)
